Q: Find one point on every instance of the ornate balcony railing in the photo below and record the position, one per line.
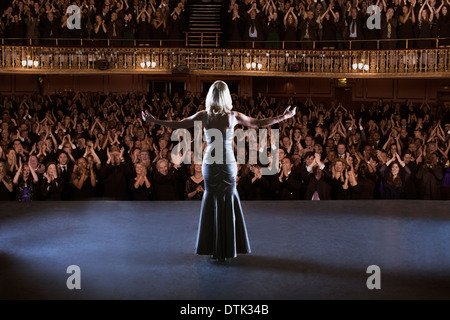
(431, 43)
(218, 61)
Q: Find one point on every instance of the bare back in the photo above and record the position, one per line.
(221, 123)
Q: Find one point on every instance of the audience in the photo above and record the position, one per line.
(120, 21)
(265, 22)
(86, 146)
(304, 21)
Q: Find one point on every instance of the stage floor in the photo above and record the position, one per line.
(300, 250)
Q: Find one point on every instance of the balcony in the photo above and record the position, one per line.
(418, 63)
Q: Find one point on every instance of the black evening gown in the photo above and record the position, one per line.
(222, 232)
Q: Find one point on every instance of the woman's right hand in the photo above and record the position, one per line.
(290, 113)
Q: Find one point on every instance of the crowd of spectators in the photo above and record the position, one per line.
(87, 146)
(121, 21)
(300, 22)
(267, 23)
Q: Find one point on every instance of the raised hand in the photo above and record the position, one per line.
(109, 156)
(290, 113)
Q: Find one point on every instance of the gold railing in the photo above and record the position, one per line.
(255, 62)
(218, 42)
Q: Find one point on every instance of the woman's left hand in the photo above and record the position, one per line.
(146, 116)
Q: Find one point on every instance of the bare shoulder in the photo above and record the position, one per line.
(200, 115)
(237, 115)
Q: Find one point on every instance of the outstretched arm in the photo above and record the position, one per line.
(250, 122)
(185, 123)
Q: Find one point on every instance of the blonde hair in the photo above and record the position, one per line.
(218, 100)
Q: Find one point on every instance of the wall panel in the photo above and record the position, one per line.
(412, 89)
(25, 83)
(379, 88)
(6, 83)
(322, 89)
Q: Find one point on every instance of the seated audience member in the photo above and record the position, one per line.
(83, 180)
(318, 181)
(51, 184)
(394, 175)
(65, 169)
(195, 186)
(258, 186)
(430, 175)
(115, 174)
(141, 188)
(287, 184)
(164, 182)
(26, 183)
(6, 185)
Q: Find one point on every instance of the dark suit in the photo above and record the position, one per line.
(65, 175)
(115, 27)
(430, 182)
(165, 186)
(116, 179)
(308, 32)
(181, 175)
(257, 190)
(258, 25)
(322, 186)
(288, 188)
(50, 29)
(358, 28)
(410, 190)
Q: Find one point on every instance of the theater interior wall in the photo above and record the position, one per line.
(320, 89)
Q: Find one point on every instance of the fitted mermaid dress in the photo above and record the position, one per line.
(222, 232)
